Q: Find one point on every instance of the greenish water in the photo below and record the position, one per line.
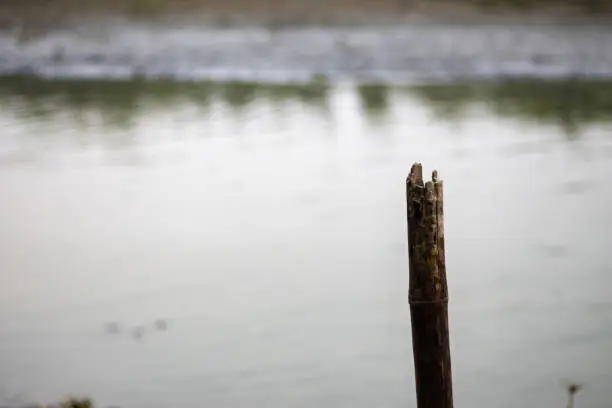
(231, 244)
(568, 104)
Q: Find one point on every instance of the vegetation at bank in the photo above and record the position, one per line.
(316, 10)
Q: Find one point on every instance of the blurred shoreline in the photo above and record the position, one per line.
(391, 54)
(359, 41)
(41, 15)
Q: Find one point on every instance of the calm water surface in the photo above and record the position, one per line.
(267, 228)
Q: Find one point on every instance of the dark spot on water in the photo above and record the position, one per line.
(575, 187)
(161, 324)
(553, 250)
(112, 328)
(574, 388)
(138, 333)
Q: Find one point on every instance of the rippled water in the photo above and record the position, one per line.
(265, 227)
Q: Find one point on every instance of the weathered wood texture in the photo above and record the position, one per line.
(428, 291)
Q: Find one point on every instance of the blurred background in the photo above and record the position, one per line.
(203, 201)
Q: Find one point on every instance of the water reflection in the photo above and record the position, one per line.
(447, 102)
(120, 101)
(374, 100)
(568, 104)
(136, 332)
(239, 94)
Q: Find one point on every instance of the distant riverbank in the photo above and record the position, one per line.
(279, 41)
(49, 13)
(389, 54)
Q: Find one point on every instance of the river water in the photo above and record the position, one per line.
(231, 244)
